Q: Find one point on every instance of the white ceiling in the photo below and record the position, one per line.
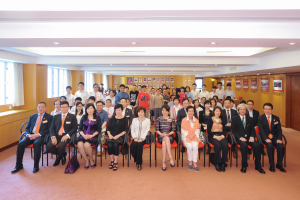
(172, 37)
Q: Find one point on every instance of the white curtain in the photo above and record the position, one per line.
(18, 94)
(69, 78)
(104, 76)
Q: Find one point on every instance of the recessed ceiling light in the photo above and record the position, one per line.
(292, 43)
(133, 42)
(56, 43)
(257, 74)
(241, 75)
(269, 73)
(213, 43)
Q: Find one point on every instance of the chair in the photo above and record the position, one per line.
(159, 145)
(31, 145)
(264, 146)
(47, 139)
(144, 147)
(212, 146)
(238, 147)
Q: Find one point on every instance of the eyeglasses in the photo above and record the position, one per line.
(64, 107)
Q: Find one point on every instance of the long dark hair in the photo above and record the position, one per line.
(86, 113)
(77, 104)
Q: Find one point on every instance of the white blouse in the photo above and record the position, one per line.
(140, 129)
(54, 112)
(110, 111)
(98, 96)
(112, 100)
(78, 117)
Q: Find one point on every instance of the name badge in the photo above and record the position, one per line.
(127, 116)
(68, 122)
(275, 123)
(46, 121)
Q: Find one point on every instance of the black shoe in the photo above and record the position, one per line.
(218, 168)
(182, 150)
(35, 169)
(272, 169)
(56, 163)
(280, 168)
(260, 170)
(64, 159)
(17, 168)
(244, 170)
(45, 152)
(223, 167)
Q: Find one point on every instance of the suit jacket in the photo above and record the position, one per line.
(128, 114)
(255, 117)
(264, 129)
(45, 124)
(70, 125)
(182, 114)
(202, 118)
(238, 128)
(224, 115)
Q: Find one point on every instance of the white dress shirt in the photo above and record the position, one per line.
(110, 110)
(54, 112)
(112, 100)
(140, 128)
(99, 96)
(220, 93)
(212, 94)
(251, 113)
(84, 95)
(204, 94)
(195, 94)
(230, 93)
(70, 99)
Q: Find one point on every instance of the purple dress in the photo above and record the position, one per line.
(165, 126)
(89, 127)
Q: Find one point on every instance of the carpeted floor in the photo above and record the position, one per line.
(151, 183)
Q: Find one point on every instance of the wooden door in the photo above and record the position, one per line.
(295, 102)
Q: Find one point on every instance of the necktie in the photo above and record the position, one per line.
(269, 121)
(228, 116)
(37, 128)
(62, 126)
(243, 121)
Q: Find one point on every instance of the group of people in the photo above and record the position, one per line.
(190, 112)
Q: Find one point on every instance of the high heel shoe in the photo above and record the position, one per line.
(111, 165)
(93, 166)
(86, 167)
(164, 168)
(172, 165)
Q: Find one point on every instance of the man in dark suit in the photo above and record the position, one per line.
(227, 115)
(271, 135)
(126, 111)
(37, 128)
(252, 113)
(243, 130)
(63, 127)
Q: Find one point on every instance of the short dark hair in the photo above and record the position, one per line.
(56, 101)
(78, 99)
(203, 97)
(63, 97)
(207, 102)
(190, 107)
(113, 91)
(243, 102)
(143, 86)
(184, 100)
(119, 106)
(176, 98)
(108, 100)
(69, 87)
(64, 103)
(214, 87)
(165, 106)
(43, 103)
(95, 84)
(268, 104)
(194, 84)
(188, 87)
(231, 100)
(101, 84)
(203, 85)
(164, 89)
(182, 88)
(122, 85)
(99, 102)
(219, 83)
(190, 98)
(92, 98)
(81, 83)
(228, 97)
(134, 85)
(123, 98)
(250, 101)
(227, 100)
(217, 107)
(141, 108)
(216, 97)
(228, 84)
(194, 101)
(127, 87)
(213, 100)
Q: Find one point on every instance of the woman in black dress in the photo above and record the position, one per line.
(89, 128)
(117, 128)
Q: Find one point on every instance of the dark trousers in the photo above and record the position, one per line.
(113, 148)
(60, 150)
(244, 150)
(218, 146)
(136, 150)
(270, 150)
(37, 145)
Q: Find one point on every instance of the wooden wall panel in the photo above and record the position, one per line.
(295, 103)
(209, 82)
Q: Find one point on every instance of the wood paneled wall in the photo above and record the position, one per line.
(278, 99)
(209, 82)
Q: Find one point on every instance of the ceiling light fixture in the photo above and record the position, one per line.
(56, 42)
(257, 74)
(269, 73)
(292, 43)
(133, 42)
(213, 43)
(241, 75)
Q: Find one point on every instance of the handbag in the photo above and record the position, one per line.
(148, 139)
(72, 166)
(104, 138)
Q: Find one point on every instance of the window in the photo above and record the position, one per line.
(89, 81)
(57, 82)
(199, 82)
(6, 83)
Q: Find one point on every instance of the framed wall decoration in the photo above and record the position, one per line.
(277, 84)
(229, 81)
(153, 86)
(146, 85)
(253, 82)
(172, 79)
(172, 85)
(149, 79)
(153, 79)
(136, 79)
(167, 80)
(168, 85)
(245, 84)
(157, 85)
(158, 79)
(238, 83)
(264, 84)
(145, 80)
(140, 79)
(129, 80)
(163, 79)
